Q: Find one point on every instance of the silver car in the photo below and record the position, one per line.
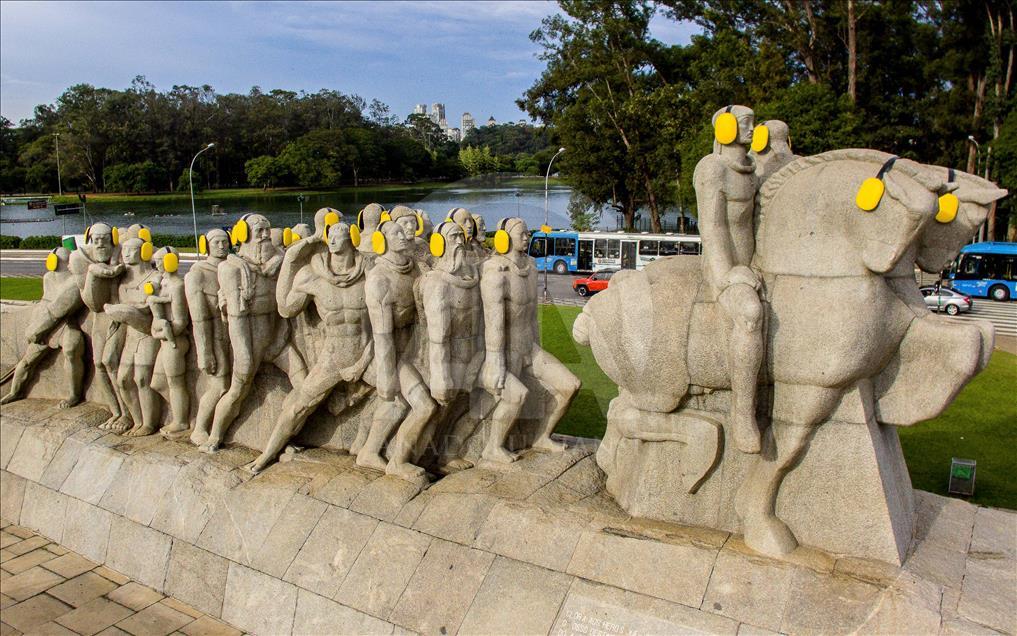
(945, 299)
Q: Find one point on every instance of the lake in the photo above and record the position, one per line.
(174, 217)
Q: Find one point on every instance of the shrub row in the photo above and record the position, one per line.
(49, 242)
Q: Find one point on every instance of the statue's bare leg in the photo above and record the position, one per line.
(787, 441)
(148, 398)
(411, 431)
(458, 425)
(23, 371)
(174, 364)
(505, 413)
(215, 387)
(563, 386)
(246, 360)
(72, 344)
(745, 355)
(105, 381)
(297, 407)
(287, 359)
(387, 416)
(125, 384)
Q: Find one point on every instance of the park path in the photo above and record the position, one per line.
(47, 589)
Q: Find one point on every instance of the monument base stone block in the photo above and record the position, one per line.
(316, 545)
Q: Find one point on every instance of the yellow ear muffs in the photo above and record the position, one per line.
(88, 234)
(149, 289)
(378, 243)
(170, 262)
(355, 235)
(331, 219)
(871, 191)
(385, 216)
(437, 245)
(420, 225)
(145, 234)
(52, 261)
(502, 240)
(116, 236)
(725, 129)
(202, 245)
(948, 203)
(241, 231)
(760, 138)
(146, 251)
(287, 237)
(360, 219)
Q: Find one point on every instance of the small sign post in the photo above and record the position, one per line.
(962, 477)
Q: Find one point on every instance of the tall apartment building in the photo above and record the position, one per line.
(420, 109)
(467, 124)
(437, 112)
(454, 134)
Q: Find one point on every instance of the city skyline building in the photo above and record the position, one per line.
(438, 113)
(420, 109)
(467, 124)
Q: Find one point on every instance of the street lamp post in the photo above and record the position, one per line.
(547, 178)
(300, 198)
(978, 154)
(60, 184)
(190, 179)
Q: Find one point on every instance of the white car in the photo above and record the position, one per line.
(945, 299)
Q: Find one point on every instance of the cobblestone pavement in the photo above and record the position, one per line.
(46, 589)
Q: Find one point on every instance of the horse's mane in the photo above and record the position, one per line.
(910, 168)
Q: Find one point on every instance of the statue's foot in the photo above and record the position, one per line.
(257, 465)
(69, 402)
(7, 399)
(210, 446)
(371, 460)
(141, 431)
(171, 429)
(199, 437)
(747, 437)
(405, 470)
(769, 535)
(499, 454)
(549, 445)
(121, 425)
(454, 466)
(108, 424)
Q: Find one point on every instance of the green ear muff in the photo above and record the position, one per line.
(502, 240)
(871, 191)
(948, 203)
(725, 129)
(116, 236)
(52, 261)
(170, 262)
(355, 235)
(760, 138)
(145, 234)
(202, 245)
(146, 251)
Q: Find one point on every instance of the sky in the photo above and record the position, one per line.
(471, 56)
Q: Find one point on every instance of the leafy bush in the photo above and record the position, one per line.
(9, 242)
(173, 240)
(39, 242)
(145, 176)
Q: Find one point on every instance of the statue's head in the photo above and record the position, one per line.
(167, 259)
(428, 225)
(448, 245)
(338, 237)
(302, 231)
(771, 137)
(370, 217)
(464, 217)
(217, 243)
(390, 240)
(56, 260)
(733, 125)
(253, 233)
(518, 233)
(130, 251)
(136, 230)
(100, 237)
(478, 222)
(323, 218)
(963, 207)
(408, 219)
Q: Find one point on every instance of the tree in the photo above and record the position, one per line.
(265, 171)
(584, 214)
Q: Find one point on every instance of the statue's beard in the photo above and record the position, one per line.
(102, 254)
(258, 252)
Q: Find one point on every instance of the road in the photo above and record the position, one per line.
(31, 263)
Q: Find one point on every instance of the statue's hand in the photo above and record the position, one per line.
(271, 268)
(441, 388)
(206, 362)
(742, 275)
(492, 374)
(159, 329)
(35, 334)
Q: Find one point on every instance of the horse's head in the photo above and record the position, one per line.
(813, 222)
(942, 240)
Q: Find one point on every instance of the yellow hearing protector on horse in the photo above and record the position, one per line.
(871, 191)
(725, 129)
(437, 242)
(760, 138)
(948, 203)
(378, 242)
(502, 239)
(241, 231)
(52, 260)
(146, 251)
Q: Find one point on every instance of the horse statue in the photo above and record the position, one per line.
(839, 317)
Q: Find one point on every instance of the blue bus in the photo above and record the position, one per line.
(564, 251)
(987, 270)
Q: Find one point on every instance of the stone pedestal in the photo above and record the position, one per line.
(316, 545)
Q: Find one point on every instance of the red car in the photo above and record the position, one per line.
(597, 281)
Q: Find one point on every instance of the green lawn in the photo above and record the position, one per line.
(20, 288)
(981, 424)
(226, 194)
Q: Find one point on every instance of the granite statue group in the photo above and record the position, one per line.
(749, 378)
(430, 326)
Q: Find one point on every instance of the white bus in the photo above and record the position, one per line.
(564, 251)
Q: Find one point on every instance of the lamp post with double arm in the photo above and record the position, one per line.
(190, 178)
